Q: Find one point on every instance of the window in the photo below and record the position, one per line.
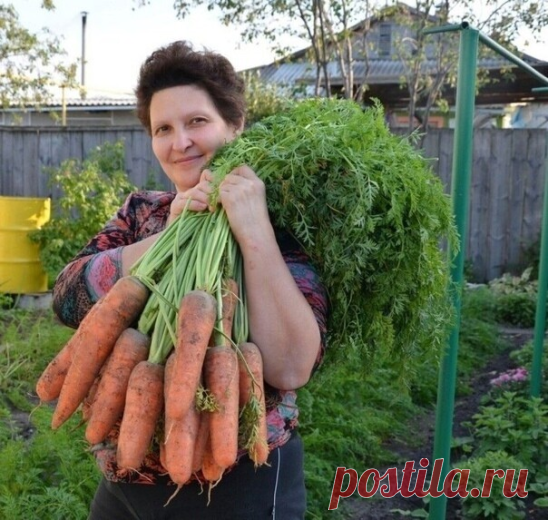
(385, 39)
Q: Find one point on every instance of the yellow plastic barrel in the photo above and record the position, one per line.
(21, 271)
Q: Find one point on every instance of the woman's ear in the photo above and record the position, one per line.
(240, 128)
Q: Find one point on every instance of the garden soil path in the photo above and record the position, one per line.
(465, 407)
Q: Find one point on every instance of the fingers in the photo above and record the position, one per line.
(194, 199)
(206, 176)
(241, 172)
(242, 186)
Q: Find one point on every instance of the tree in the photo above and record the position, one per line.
(430, 61)
(30, 64)
(337, 31)
(328, 27)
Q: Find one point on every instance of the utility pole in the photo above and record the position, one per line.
(83, 65)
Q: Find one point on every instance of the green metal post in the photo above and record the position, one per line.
(460, 193)
(540, 316)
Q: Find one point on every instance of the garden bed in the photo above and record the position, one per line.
(423, 432)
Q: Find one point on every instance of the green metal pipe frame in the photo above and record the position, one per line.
(540, 315)
(460, 194)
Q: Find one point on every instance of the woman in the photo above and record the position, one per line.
(191, 103)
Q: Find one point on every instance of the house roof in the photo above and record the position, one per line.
(96, 103)
(377, 71)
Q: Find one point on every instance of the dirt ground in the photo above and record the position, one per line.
(465, 407)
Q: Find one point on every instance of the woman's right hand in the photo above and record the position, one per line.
(198, 196)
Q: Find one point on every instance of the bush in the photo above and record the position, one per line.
(517, 309)
(262, 99)
(496, 506)
(517, 425)
(515, 299)
(92, 191)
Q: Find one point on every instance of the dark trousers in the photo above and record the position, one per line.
(275, 492)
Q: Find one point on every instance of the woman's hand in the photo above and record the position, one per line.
(198, 196)
(243, 196)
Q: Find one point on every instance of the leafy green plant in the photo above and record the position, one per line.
(515, 298)
(262, 99)
(540, 488)
(517, 309)
(45, 474)
(496, 506)
(29, 341)
(510, 284)
(479, 338)
(517, 425)
(91, 192)
(532, 258)
(523, 357)
(6, 301)
(49, 476)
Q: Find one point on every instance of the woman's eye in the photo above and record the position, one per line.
(161, 130)
(198, 120)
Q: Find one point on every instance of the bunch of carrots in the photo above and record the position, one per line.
(185, 374)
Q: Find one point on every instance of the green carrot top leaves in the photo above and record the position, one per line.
(368, 210)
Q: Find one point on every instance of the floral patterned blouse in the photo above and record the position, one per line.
(97, 267)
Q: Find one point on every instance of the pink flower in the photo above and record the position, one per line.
(510, 376)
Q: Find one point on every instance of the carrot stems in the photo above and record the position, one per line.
(196, 251)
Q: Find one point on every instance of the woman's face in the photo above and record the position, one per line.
(187, 130)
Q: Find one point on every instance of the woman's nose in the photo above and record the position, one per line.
(182, 140)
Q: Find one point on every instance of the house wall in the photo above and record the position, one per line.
(386, 38)
(506, 193)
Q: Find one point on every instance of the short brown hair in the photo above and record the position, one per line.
(179, 64)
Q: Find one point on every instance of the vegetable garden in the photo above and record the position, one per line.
(366, 207)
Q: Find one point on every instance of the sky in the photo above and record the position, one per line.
(119, 36)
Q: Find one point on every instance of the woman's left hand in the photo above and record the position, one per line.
(243, 196)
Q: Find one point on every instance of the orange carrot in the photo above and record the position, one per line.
(96, 336)
(197, 313)
(162, 450)
(180, 439)
(51, 381)
(143, 408)
(131, 348)
(211, 471)
(87, 403)
(201, 441)
(252, 402)
(221, 378)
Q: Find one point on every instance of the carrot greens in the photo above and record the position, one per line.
(369, 211)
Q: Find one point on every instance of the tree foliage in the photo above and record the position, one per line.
(30, 63)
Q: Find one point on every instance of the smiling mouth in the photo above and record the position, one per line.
(186, 160)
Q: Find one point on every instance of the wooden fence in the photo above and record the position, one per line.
(26, 151)
(506, 195)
